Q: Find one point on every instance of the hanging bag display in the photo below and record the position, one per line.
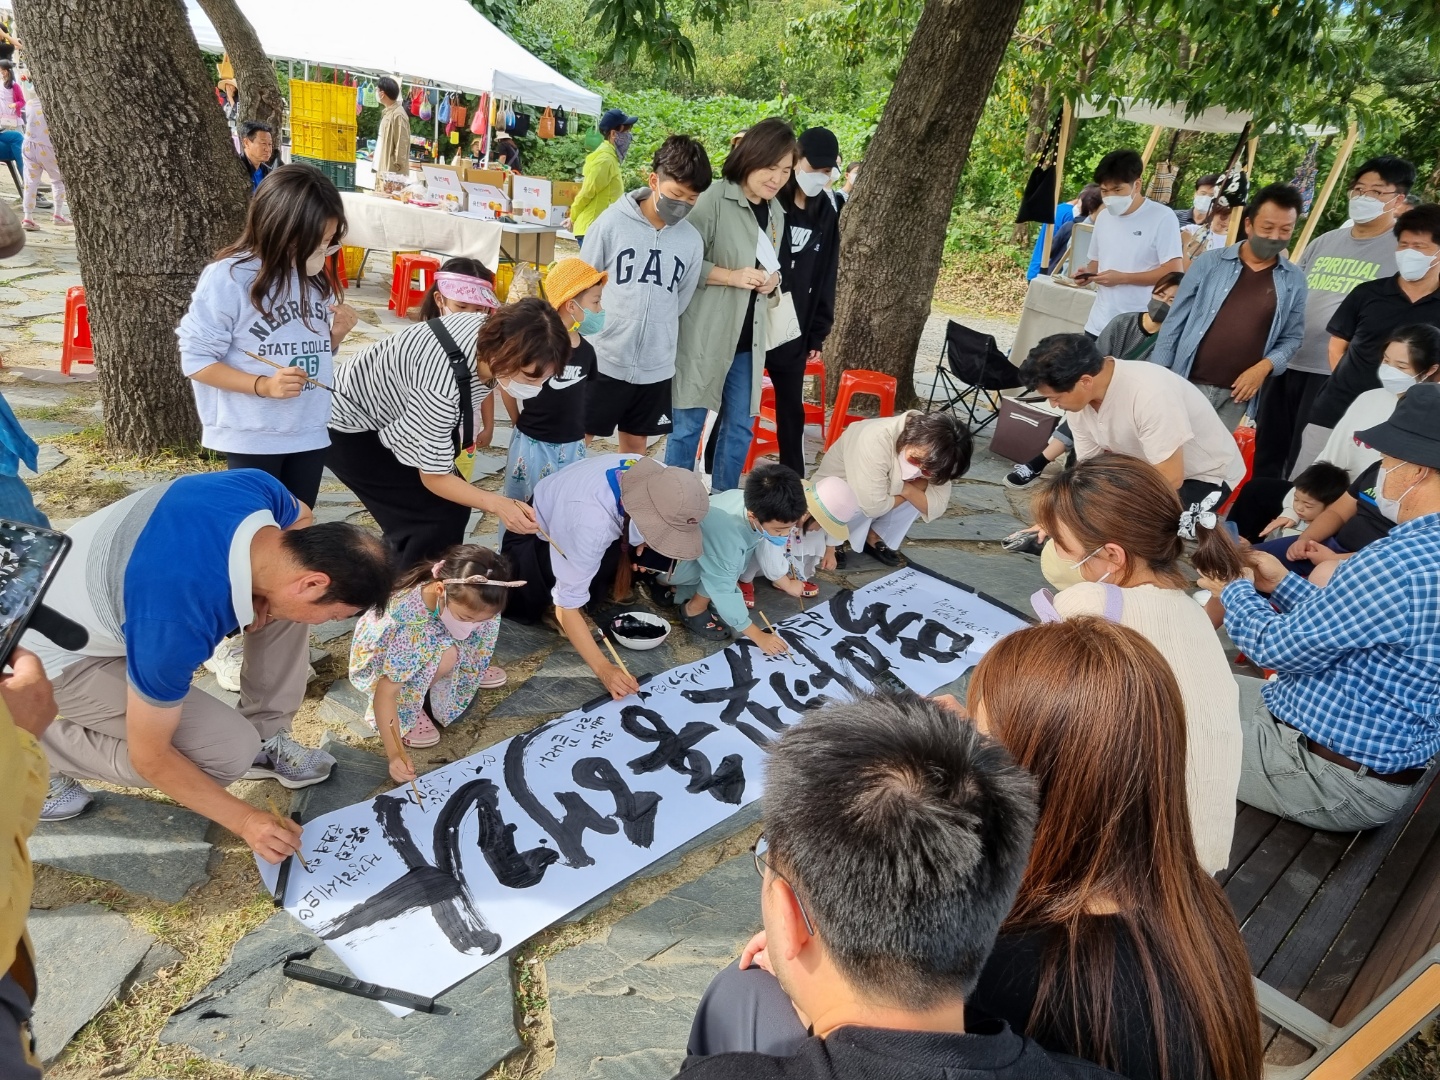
(520, 124)
(547, 124)
(562, 122)
(444, 116)
(427, 105)
(482, 116)
(372, 96)
(1038, 202)
(458, 114)
(417, 99)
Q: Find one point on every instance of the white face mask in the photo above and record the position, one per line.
(1391, 507)
(1202, 203)
(1076, 566)
(521, 391)
(1365, 208)
(908, 470)
(811, 183)
(1395, 380)
(1118, 204)
(1413, 265)
(315, 263)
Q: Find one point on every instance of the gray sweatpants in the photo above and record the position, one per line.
(87, 741)
(745, 1012)
(1278, 774)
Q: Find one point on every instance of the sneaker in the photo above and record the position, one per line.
(43, 203)
(747, 590)
(1019, 476)
(65, 799)
(294, 766)
(61, 219)
(29, 225)
(225, 663)
(423, 734)
(494, 677)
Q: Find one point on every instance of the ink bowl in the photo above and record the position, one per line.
(639, 630)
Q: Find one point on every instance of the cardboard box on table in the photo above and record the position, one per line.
(497, 178)
(531, 200)
(537, 247)
(563, 192)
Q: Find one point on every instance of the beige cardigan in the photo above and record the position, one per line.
(392, 144)
(1178, 627)
(864, 457)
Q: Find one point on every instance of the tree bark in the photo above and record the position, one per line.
(1037, 126)
(155, 191)
(896, 220)
(260, 97)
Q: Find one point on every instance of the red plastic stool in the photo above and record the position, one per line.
(859, 382)
(1245, 439)
(337, 269)
(76, 346)
(403, 290)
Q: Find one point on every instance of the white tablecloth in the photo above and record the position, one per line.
(1050, 308)
(387, 225)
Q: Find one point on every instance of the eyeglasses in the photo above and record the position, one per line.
(929, 474)
(760, 850)
(1375, 193)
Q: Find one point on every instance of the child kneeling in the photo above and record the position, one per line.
(423, 659)
(830, 507)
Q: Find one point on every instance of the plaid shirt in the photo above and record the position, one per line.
(1359, 660)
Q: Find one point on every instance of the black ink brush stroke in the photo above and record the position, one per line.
(924, 645)
(635, 809)
(513, 869)
(677, 751)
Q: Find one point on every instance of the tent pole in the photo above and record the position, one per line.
(1317, 208)
(1154, 141)
(1065, 114)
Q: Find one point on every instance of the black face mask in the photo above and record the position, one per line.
(1157, 310)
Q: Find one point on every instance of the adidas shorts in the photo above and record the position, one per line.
(635, 408)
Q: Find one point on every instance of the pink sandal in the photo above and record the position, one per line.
(423, 734)
(493, 678)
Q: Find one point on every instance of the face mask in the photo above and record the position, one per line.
(315, 263)
(1087, 558)
(622, 143)
(811, 183)
(908, 470)
(778, 541)
(671, 211)
(1202, 203)
(521, 391)
(1157, 310)
(1395, 380)
(591, 322)
(458, 630)
(1413, 265)
(1391, 507)
(1118, 204)
(1265, 248)
(1365, 208)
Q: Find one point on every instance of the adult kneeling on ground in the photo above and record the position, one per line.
(1352, 717)
(882, 889)
(900, 468)
(158, 580)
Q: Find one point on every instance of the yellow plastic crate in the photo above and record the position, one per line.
(322, 103)
(337, 142)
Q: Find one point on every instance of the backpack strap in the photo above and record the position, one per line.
(1043, 602)
(461, 370)
(1114, 601)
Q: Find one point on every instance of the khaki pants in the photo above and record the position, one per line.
(88, 740)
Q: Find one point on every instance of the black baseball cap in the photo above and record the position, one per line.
(820, 148)
(1412, 433)
(615, 118)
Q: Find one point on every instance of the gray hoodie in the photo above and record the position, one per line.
(653, 274)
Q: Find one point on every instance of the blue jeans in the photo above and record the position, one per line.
(1281, 544)
(732, 440)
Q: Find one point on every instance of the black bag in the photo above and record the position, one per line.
(1022, 430)
(521, 126)
(1038, 202)
(562, 123)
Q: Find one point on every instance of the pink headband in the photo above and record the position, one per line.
(473, 579)
(466, 289)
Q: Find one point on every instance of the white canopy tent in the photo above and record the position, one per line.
(1213, 120)
(443, 43)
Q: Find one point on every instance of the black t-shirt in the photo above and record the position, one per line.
(1011, 979)
(1366, 318)
(557, 413)
(988, 1051)
(1368, 524)
(761, 210)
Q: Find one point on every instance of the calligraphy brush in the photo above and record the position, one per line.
(771, 627)
(400, 740)
(283, 820)
(546, 537)
(307, 378)
(611, 646)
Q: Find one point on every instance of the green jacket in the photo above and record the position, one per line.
(600, 188)
(729, 542)
(710, 327)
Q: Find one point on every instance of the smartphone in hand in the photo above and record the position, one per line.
(29, 557)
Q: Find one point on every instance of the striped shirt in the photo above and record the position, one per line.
(1359, 660)
(404, 389)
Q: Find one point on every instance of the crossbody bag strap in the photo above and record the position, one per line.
(461, 370)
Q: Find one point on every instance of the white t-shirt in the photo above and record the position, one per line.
(1141, 240)
(578, 510)
(1149, 412)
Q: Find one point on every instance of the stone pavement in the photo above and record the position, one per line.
(612, 993)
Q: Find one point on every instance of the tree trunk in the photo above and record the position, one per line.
(894, 237)
(155, 191)
(260, 97)
(1037, 126)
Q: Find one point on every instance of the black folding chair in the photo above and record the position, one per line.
(971, 366)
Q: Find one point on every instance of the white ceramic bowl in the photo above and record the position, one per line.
(641, 644)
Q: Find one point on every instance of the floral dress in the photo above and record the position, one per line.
(405, 645)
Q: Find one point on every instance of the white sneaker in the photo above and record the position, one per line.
(225, 662)
(65, 799)
(282, 758)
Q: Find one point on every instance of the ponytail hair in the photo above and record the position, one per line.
(463, 561)
(1122, 500)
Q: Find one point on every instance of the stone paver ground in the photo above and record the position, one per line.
(607, 993)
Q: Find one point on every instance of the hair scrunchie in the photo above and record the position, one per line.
(1200, 513)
